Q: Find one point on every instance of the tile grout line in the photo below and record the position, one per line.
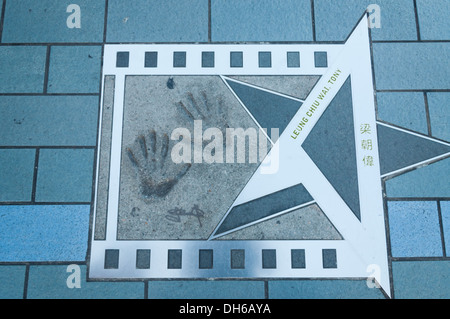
(427, 113)
(388, 239)
(413, 90)
(416, 14)
(45, 203)
(441, 228)
(411, 41)
(145, 289)
(209, 22)
(2, 19)
(49, 94)
(35, 172)
(417, 199)
(25, 282)
(47, 67)
(423, 258)
(50, 147)
(266, 289)
(105, 22)
(313, 20)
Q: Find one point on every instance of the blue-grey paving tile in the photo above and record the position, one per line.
(433, 19)
(157, 21)
(322, 289)
(261, 20)
(44, 232)
(65, 175)
(50, 282)
(48, 120)
(16, 174)
(206, 289)
(335, 20)
(29, 21)
(405, 109)
(426, 181)
(410, 66)
(22, 69)
(445, 213)
(414, 229)
(12, 279)
(74, 69)
(439, 106)
(421, 279)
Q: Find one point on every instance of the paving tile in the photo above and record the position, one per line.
(410, 66)
(335, 20)
(12, 280)
(405, 109)
(439, 105)
(421, 279)
(414, 229)
(44, 233)
(322, 289)
(22, 69)
(157, 21)
(423, 182)
(230, 289)
(445, 213)
(433, 19)
(74, 69)
(50, 282)
(261, 20)
(48, 120)
(65, 175)
(16, 174)
(45, 21)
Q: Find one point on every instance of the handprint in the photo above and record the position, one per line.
(157, 173)
(201, 108)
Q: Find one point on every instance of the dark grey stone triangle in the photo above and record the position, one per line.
(269, 110)
(263, 207)
(331, 145)
(306, 223)
(399, 149)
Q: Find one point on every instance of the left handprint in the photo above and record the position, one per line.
(156, 172)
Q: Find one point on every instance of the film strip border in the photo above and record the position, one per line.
(223, 259)
(215, 59)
